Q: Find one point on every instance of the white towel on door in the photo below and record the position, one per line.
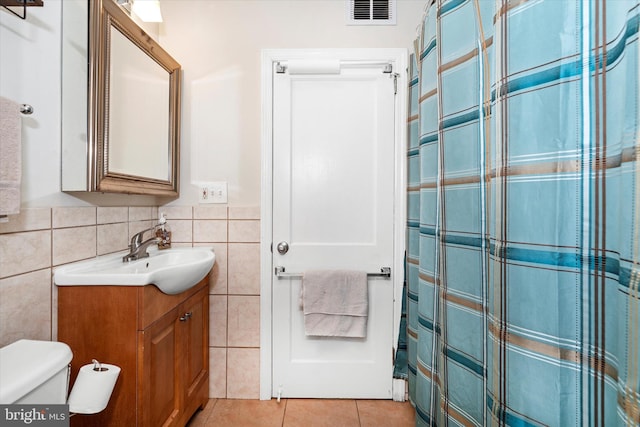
(335, 303)
(10, 157)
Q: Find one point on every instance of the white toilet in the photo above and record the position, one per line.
(37, 373)
(34, 372)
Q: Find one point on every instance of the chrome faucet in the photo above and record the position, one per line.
(138, 248)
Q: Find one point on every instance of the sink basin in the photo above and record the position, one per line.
(171, 270)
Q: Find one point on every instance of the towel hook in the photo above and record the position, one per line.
(26, 109)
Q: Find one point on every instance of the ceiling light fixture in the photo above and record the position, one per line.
(147, 10)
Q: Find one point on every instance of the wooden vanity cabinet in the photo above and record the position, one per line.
(160, 342)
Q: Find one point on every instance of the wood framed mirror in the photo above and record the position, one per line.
(132, 138)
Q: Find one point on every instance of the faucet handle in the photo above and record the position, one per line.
(136, 240)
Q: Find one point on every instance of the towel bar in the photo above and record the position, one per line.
(280, 273)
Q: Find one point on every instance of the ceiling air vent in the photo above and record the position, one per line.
(371, 12)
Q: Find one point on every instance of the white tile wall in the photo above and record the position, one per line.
(244, 268)
(74, 244)
(25, 307)
(33, 243)
(24, 252)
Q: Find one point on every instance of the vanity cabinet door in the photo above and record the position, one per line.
(160, 375)
(175, 363)
(194, 329)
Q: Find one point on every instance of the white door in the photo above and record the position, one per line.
(333, 205)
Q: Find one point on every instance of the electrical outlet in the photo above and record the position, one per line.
(212, 192)
(203, 195)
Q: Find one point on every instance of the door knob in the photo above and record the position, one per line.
(283, 248)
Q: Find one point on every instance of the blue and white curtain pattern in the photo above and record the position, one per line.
(523, 263)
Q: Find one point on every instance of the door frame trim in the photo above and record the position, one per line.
(399, 58)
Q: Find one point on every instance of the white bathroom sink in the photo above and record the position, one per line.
(171, 270)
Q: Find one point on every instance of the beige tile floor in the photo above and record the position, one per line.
(304, 413)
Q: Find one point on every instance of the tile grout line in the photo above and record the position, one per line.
(284, 412)
(212, 410)
(358, 412)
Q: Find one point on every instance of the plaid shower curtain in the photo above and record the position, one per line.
(524, 214)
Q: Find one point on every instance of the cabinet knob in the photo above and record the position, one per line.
(186, 316)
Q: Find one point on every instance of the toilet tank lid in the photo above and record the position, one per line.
(25, 364)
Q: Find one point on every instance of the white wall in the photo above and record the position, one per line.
(218, 44)
(30, 68)
(30, 74)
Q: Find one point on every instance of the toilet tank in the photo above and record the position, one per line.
(34, 372)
